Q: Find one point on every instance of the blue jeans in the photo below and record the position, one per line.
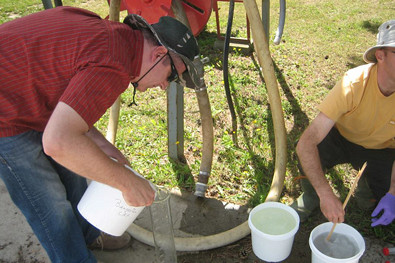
(47, 194)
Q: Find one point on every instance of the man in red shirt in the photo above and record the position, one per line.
(60, 70)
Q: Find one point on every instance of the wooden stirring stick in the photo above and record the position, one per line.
(354, 185)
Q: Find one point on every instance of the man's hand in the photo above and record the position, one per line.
(332, 208)
(387, 203)
(140, 192)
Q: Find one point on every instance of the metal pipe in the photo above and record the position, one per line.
(47, 4)
(175, 102)
(205, 113)
(281, 23)
(58, 2)
(266, 17)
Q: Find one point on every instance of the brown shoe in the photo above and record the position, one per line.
(108, 242)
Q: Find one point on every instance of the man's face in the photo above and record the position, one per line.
(387, 60)
(166, 68)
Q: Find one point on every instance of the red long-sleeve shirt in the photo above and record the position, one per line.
(63, 54)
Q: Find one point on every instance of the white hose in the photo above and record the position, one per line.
(194, 243)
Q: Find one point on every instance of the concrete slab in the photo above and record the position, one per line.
(195, 216)
(17, 240)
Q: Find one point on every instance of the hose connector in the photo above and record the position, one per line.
(201, 185)
(200, 189)
(200, 89)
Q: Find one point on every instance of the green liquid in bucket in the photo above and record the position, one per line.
(339, 246)
(273, 221)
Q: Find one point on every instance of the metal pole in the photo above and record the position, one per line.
(175, 121)
(47, 4)
(266, 17)
(175, 102)
(58, 2)
(281, 23)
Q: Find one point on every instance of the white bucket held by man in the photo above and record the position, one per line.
(105, 208)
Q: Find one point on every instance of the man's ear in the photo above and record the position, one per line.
(158, 52)
(379, 54)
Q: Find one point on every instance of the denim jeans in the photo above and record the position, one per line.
(47, 194)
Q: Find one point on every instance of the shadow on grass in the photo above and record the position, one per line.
(355, 61)
(370, 26)
(301, 120)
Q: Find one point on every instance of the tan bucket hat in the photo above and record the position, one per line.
(385, 38)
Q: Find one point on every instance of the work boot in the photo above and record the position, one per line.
(307, 202)
(108, 242)
(364, 196)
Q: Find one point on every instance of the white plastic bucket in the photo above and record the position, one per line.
(273, 247)
(318, 257)
(105, 208)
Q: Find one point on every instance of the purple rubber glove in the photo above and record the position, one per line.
(387, 203)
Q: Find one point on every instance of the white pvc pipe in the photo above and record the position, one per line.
(115, 6)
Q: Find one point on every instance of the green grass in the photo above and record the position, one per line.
(321, 40)
(13, 9)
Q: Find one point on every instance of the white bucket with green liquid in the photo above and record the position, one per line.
(273, 227)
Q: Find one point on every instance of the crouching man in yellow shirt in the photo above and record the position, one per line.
(356, 124)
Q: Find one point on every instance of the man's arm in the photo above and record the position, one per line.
(309, 158)
(65, 139)
(108, 148)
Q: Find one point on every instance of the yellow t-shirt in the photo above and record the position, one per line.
(363, 115)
